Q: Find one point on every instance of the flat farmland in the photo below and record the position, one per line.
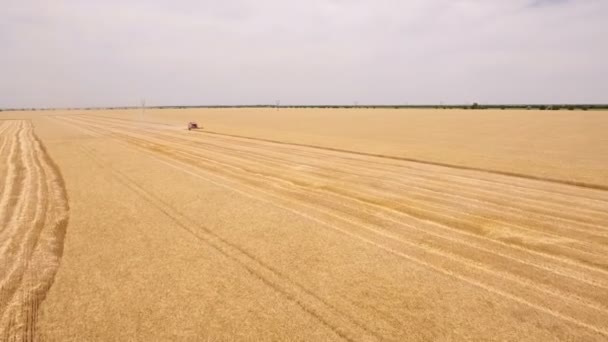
(565, 145)
(304, 224)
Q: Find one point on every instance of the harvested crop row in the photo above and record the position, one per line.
(33, 220)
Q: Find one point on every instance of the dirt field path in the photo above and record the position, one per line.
(348, 238)
(33, 220)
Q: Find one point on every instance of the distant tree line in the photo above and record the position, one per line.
(474, 106)
(534, 106)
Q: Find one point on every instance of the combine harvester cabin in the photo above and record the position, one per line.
(192, 125)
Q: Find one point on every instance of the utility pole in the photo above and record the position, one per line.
(278, 104)
(143, 109)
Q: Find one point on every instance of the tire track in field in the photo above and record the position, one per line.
(438, 201)
(362, 173)
(345, 326)
(341, 198)
(34, 213)
(452, 166)
(436, 212)
(465, 188)
(509, 201)
(397, 171)
(311, 303)
(477, 177)
(325, 203)
(327, 313)
(544, 226)
(323, 172)
(88, 131)
(439, 214)
(469, 276)
(393, 208)
(418, 261)
(413, 160)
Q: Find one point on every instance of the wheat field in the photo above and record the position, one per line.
(304, 224)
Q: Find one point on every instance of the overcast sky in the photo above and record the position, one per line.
(59, 53)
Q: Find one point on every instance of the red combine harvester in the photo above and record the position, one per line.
(192, 125)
